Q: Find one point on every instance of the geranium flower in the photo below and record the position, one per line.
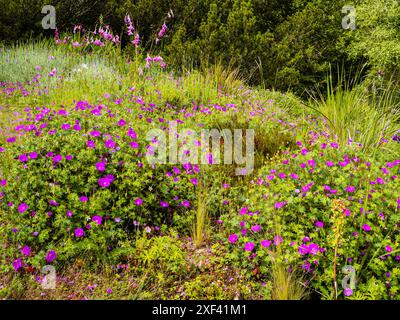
(91, 144)
(138, 201)
(97, 219)
(350, 189)
(26, 251)
(110, 144)
(17, 264)
(265, 243)
(51, 256)
(319, 224)
(23, 158)
(83, 199)
(134, 144)
(164, 204)
(249, 246)
(106, 181)
(79, 232)
(348, 292)
(121, 122)
(101, 166)
(366, 227)
(22, 207)
(33, 155)
(256, 228)
(233, 238)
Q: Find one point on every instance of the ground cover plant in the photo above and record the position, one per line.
(82, 120)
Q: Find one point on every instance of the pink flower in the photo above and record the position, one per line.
(388, 249)
(110, 144)
(79, 232)
(366, 227)
(97, 219)
(23, 158)
(350, 189)
(233, 238)
(51, 256)
(348, 292)
(17, 264)
(26, 251)
(90, 144)
(164, 204)
(278, 240)
(138, 201)
(330, 164)
(106, 181)
(265, 243)
(256, 228)
(101, 166)
(249, 246)
(22, 207)
(319, 224)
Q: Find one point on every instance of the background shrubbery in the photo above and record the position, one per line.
(284, 45)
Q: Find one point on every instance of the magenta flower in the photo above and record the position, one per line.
(22, 207)
(294, 176)
(91, 144)
(256, 228)
(121, 122)
(131, 133)
(348, 292)
(134, 144)
(138, 201)
(164, 204)
(17, 264)
(79, 232)
(3, 182)
(350, 189)
(186, 203)
(265, 243)
(23, 158)
(330, 164)
(57, 159)
(388, 249)
(95, 133)
(303, 249)
(249, 246)
(106, 181)
(233, 238)
(319, 224)
(194, 181)
(101, 166)
(279, 205)
(278, 240)
(26, 251)
(366, 227)
(110, 144)
(33, 155)
(83, 199)
(313, 248)
(51, 256)
(97, 219)
(69, 213)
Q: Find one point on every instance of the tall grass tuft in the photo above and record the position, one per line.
(356, 115)
(200, 226)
